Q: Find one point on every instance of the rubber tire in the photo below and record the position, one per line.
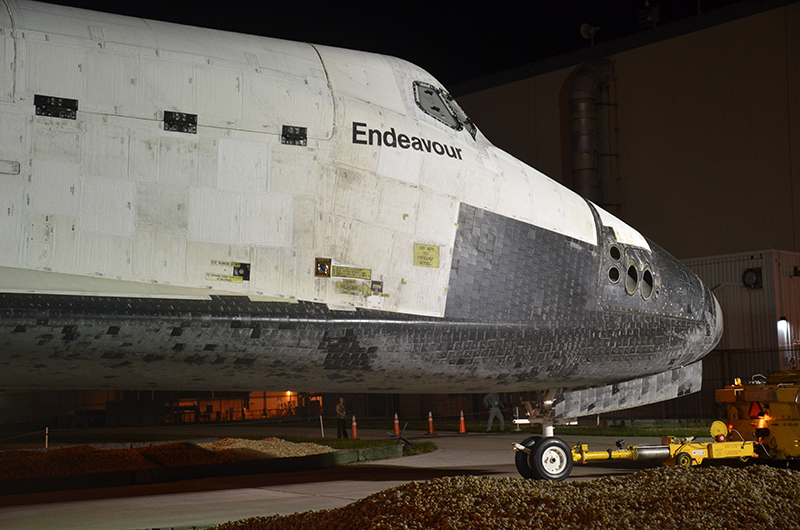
(683, 460)
(521, 459)
(551, 459)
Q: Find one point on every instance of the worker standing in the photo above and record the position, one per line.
(341, 419)
(493, 403)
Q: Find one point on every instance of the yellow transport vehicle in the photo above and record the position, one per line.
(763, 423)
(767, 411)
(550, 459)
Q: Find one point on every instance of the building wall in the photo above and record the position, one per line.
(56, 408)
(708, 131)
(749, 313)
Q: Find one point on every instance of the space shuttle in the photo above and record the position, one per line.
(186, 208)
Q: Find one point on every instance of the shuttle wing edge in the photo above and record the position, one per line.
(634, 393)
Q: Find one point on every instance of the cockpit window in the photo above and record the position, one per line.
(430, 100)
(441, 106)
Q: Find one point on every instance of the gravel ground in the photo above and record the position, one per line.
(267, 448)
(664, 498)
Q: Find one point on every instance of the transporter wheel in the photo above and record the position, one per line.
(521, 459)
(683, 460)
(551, 459)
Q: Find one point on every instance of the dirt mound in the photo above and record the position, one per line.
(84, 459)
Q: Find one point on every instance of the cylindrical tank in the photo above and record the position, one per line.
(651, 452)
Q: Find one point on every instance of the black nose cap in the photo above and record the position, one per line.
(714, 318)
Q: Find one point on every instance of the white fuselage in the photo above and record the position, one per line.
(149, 161)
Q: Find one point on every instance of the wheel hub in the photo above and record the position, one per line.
(554, 460)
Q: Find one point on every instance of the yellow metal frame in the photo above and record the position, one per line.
(684, 452)
(697, 452)
(581, 454)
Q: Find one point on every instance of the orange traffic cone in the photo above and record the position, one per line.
(396, 425)
(462, 427)
(430, 424)
(355, 429)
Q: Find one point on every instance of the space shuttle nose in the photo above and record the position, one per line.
(714, 317)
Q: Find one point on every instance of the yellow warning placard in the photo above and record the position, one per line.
(353, 287)
(351, 272)
(426, 255)
(223, 277)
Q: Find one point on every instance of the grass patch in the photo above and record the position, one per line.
(345, 444)
(419, 448)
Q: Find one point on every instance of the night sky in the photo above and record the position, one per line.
(455, 41)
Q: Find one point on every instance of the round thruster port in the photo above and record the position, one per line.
(631, 279)
(613, 274)
(615, 253)
(648, 284)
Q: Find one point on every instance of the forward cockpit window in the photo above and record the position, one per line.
(441, 106)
